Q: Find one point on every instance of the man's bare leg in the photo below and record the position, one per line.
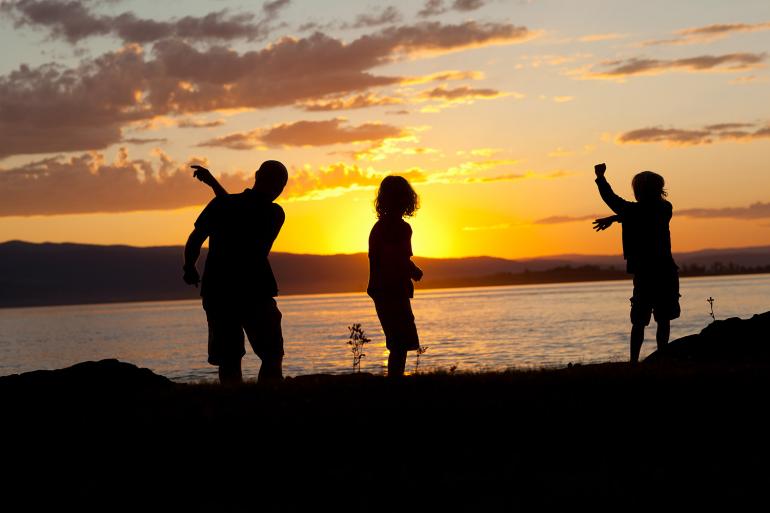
(637, 337)
(230, 373)
(663, 334)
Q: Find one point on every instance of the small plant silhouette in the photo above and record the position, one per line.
(420, 351)
(710, 301)
(356, 341)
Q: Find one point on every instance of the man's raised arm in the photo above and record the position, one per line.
(205, 176)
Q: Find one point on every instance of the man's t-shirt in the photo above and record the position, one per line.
(241, 230)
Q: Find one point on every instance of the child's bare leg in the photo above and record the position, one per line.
(396, 363)
(637, 337)
(230, 373)
(663, 334)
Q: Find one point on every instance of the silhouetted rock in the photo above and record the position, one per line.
(731, 340)
(104, 375)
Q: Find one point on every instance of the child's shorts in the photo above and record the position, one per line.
(655, 293)
(227, 320)
(397, 321)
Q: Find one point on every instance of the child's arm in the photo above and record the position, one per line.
(606, 222)
(414, 272)
(615, 202)
(205, 176)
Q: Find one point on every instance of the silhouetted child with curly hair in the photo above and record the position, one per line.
(647, 250)
(391, 269)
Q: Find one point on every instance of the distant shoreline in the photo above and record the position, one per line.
(569, 275)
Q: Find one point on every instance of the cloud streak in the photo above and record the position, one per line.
(738, 132)
(437, 7)
(755, 211)
(638, 66)
(708, 33)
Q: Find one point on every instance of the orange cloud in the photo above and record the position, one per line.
(307, 133)
(88, 184)
(358, 101)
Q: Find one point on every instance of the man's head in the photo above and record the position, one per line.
(271, 178)
(648, 186)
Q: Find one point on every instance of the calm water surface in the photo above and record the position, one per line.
(472, 328)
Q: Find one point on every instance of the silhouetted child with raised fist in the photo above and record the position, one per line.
(391, 269)
(647, 251)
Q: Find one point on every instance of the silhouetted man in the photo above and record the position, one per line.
(647, 250)
(238, 286)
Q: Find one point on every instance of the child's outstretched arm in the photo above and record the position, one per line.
(205, 176)
(605, 222)
(615, 202)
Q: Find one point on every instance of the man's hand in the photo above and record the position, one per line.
(204, 175)
(191, 276)
(417, 273)
(600, 170)
(604, 223)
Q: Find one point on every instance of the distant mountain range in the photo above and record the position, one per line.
(58, 274)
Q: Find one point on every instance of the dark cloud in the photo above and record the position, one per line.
(141, 140)
(706, 135)
(73, 21)
(467, 5)
(51, 109)
(307, 133)
(757, 210)
(432, 8)
(640, 66)
(460, 93)
(437, 7)
(708, 33)
(388, 15)
(197, 123)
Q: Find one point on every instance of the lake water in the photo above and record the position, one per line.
(488, 328)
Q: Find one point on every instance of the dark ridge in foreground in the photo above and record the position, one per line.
(731, 340)
(109, 436)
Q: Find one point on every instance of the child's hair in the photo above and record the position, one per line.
(396, 197)
(649, 186)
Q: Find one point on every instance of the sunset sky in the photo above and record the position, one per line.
(496, 110)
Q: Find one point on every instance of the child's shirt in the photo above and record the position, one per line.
(646, 233)
(390, 265)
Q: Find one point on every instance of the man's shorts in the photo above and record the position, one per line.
(397, 321)
(260, 319)
(655, 293)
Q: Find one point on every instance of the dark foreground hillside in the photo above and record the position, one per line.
(111, 437)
